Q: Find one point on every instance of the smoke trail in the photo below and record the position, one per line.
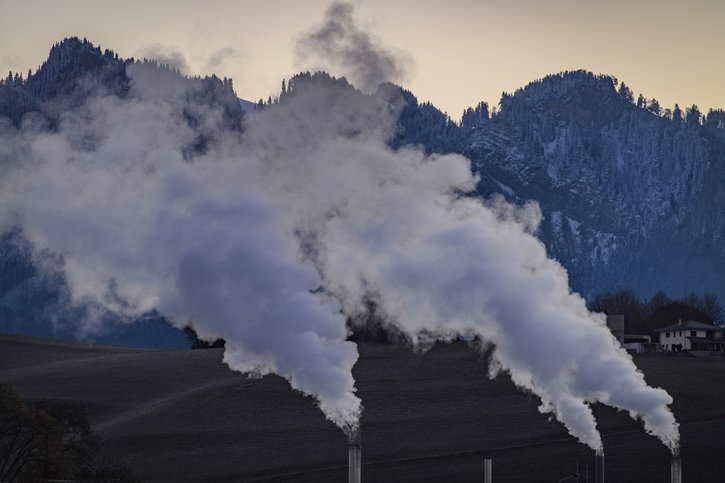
(220, 58)
(268, 239)
(394, 225)
(140, 227)
(340, 43)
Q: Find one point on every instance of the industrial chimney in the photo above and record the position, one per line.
(599, 467)
(676, 469)
(354, 457)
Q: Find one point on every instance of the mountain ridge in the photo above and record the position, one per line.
(629, 178)
(632, 196)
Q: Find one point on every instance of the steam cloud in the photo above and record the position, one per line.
(339, 43)
(220, 58)
(273, 237)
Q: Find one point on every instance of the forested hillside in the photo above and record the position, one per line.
(633, 195)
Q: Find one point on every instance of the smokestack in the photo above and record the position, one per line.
(354, 457)
(487, 471)
(676, 469)
(599, 467)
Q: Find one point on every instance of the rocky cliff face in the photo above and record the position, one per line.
(630, 198)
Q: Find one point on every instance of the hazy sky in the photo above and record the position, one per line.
(462, 51)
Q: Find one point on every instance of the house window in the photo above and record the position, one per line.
(667, 334)
(693, 333)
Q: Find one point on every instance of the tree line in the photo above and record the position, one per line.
(644, 316)
(50, 440)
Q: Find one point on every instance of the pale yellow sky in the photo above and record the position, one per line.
(463, 51)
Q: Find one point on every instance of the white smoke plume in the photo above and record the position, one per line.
(273, 237)
(395, 225)
(140, 227)
(339, 44)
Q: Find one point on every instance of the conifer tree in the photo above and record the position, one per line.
(693, 115)
(654, 107)
(626, 93)
(641, 101)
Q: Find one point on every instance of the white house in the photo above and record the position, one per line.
(639, 343)
(691, 335)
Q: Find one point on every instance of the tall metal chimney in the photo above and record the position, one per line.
(487, 471)
(599, 467)
(354, 457)
(676, 469)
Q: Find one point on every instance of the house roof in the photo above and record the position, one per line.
(709, 341)
(690, 325)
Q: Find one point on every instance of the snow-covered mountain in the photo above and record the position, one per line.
(632, 197)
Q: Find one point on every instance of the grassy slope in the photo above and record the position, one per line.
(183, 416)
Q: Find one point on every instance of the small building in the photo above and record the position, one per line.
(633, 343)
(691, 336)
(639, 344)
(615, 323)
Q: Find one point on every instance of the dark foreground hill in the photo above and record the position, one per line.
(183, 416)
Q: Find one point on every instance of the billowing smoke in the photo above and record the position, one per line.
(273, 237)
(221, 58)
(340, 45)
(139, 226)
(398, 227)
(165, 54)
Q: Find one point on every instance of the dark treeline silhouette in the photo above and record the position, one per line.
(76, 69)
(50, 440)
(197, 343)
(371, 326)
(643, 317)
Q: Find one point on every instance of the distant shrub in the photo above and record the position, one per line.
(197, 343)
(371, 326)
(49, 440)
